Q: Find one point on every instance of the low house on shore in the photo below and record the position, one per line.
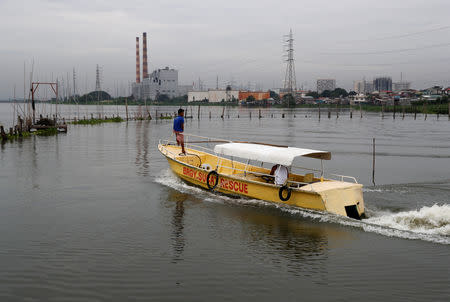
(358, 98)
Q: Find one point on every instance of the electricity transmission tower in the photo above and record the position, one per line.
(74, 78)
(97, 79)
(290, 84)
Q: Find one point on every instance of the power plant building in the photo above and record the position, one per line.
(159, 82)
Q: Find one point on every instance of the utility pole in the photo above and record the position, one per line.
(98, 88)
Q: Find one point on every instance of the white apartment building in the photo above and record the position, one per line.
(213, 96)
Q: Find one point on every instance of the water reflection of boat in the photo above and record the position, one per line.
(217, 170)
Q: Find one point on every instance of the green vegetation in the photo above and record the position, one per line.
(94, 97)
(25, 134)
(414, 108)
(288, 100)
(46, 132)
(98, 121)
(336, 93)
(10, 137)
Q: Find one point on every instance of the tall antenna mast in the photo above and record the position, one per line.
(289, 81)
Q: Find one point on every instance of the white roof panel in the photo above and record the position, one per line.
(267, 153)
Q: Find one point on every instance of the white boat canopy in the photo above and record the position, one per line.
(267, 153)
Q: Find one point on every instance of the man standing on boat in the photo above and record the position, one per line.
(178, 128)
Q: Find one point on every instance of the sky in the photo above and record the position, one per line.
(240, 42)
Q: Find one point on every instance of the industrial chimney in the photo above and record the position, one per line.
(138, 63)
(144, 57)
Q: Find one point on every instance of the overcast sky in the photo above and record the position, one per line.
(238, 41)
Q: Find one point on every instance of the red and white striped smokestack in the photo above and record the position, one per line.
(138, 62)
(144, 57)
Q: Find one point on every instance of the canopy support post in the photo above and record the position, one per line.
(321, 169)
(245, 170)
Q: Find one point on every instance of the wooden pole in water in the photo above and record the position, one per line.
(3, 134)
(403, 109)
(382, 111)
(425, 110)
(126, 108)
(449, 111)
(259, 114)
(329, 112)
(415, 112)
(250, 114)
(210, 115)
(223, 112)
(198, 112)
(393, 115)
(319, 111)
(360, 109)
(373, 161)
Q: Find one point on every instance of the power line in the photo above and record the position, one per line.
(387, 51)
(401, 36)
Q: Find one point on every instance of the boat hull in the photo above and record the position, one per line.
(331, 196)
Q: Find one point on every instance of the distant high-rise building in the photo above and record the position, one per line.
(369, 87)
(359, 86)
(382, 84)
(399, 86)
(326, 84)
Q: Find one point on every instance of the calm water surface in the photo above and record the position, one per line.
(96, 215)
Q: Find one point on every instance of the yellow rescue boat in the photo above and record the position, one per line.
(218, 170)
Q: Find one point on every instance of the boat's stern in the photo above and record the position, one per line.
(342, 198)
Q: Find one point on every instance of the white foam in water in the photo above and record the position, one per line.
(434, 220)
(427, 223)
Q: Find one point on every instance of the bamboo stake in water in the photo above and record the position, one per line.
(373, 161)
(394, 111)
